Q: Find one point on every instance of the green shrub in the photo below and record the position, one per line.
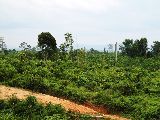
(7, 71)
(30, 109)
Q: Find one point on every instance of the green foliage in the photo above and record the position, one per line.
(134, 48)
(47, 43)
(131, 87)
(66, 48)
(25, 46)
(7, 71)
(156, 48)
(30, 109)
(68, 44)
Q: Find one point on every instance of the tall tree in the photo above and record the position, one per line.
(156, 48)
(47, 43)
(134, 48)
(3, 45)
(127, 47)
(67, 46)
(25, 46)
(142, 47)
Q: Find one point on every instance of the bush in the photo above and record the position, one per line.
(29, 109)
(7, 71)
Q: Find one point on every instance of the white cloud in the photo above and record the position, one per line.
(90, 5)
(92, 21)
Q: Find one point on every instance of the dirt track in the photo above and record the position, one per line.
(6, 92)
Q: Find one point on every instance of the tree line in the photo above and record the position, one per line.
(139, 48)
(48, 47)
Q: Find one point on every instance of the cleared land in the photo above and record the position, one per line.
(6, 92)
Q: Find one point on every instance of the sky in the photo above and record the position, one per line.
(93, 23)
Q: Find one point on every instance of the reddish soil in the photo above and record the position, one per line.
(7, 92)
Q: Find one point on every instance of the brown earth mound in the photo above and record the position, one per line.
(6, 92)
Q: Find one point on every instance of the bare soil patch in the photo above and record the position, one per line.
(7, 92)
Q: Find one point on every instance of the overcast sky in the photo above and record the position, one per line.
(93, 23)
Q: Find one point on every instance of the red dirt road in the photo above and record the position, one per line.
(6, 92)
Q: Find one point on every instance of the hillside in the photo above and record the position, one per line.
(130, 87)
(7, 92)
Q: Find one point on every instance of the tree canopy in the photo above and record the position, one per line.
(68, 44)
(156, 48)
(47, 43)
(134, 48)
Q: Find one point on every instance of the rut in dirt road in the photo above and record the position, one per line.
(6, 92)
